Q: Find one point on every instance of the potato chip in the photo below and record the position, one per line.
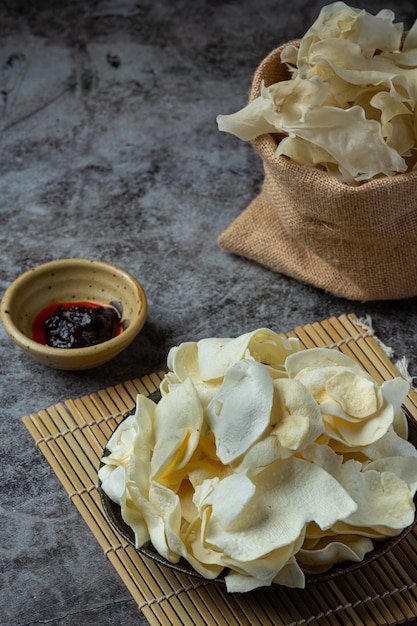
(410, 39)
(295, 422)
(288, 494)
(278, 566)
(176, 443)
(248, 575)
(403, 467)
(130, 452)
(205, 362)
(263, 345)
(204, 559)
(161, 510)
(183, 360)
(340, 20)
(183, 363)
(113, 479)
(341, 427)
(312, 359)
(240, 412)
(122, 438)
(383, 499)
(389, 445)
(395, 391)
(291, 575)
(356, 411)
(356, 395)
(226, 509)
(317, 556)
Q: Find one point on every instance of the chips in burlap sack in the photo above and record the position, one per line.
(358, 243)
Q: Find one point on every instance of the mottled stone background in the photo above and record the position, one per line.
(110, 150)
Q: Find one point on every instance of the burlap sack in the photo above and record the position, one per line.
(359, 243)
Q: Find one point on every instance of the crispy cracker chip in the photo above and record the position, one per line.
(288, 494)
(383, 499)
(178, 420)
(295, 422)
(240, 412)
(356, 411)
(322, 553)
(263, 345)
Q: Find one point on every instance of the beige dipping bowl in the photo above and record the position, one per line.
(73, 280)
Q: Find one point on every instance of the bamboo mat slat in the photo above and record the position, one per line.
(72, 436)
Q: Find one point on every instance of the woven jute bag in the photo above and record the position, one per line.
(358, 243)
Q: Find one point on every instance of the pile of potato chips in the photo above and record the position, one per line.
(264, 461)
(350, 105)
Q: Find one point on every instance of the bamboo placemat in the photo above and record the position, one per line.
(72, 436)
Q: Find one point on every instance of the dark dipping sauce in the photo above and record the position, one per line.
(76, 325)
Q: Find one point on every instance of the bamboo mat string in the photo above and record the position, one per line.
(80, 492)
(367, 325)
(72, 436)
(120, 546)
(174, 593)
(70, 431)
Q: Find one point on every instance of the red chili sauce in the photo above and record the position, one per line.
(76, 324)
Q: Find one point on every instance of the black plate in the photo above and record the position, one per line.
(113, 512)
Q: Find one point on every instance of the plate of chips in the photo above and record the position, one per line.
(114, 516)
(258, 462)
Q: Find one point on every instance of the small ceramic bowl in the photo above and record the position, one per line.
(66, 281)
